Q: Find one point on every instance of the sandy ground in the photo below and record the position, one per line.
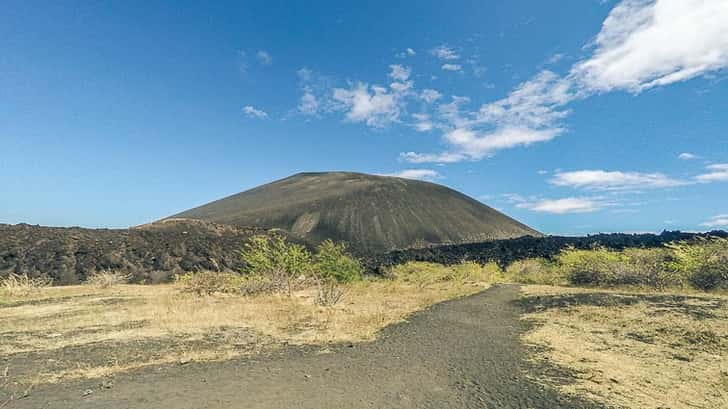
(464, 353)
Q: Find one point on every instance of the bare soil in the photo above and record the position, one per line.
(464, 353)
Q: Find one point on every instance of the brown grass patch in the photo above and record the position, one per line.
(173, 325)
(635, 350)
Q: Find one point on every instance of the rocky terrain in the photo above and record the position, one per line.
(150, 253)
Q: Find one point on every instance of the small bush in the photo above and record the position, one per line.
(274, 257)
(332, 262)
(329, 293)
(107, 279)
(704, 264)
(21, 285)
(210, 282)
(258, 284)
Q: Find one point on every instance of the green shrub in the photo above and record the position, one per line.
(273, 257)
(651, 268)
(704, 264)
(332, 262)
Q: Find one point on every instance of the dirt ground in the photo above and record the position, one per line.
(464, 353)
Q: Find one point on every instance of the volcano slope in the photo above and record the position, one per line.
(371, 213)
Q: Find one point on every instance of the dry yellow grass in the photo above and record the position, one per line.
(76, 317)
(635, 350)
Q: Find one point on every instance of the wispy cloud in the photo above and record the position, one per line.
(444, 52)
(530, 114)
(263, 57)
(408, 52)
(420, 174)
(614, 180)
(716, 173)
(629, 54)
(451, 67)
(253, 112)
(720, 220)
(687, 156)
(565, 205)
(430, 95)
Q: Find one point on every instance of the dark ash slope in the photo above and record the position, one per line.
(372, 213)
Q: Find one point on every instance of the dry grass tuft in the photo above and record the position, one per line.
(635, 350)
(107, 279)
(21, 285)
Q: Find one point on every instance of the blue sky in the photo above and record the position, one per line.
(572, 116)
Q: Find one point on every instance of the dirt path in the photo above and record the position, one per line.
(459, 354)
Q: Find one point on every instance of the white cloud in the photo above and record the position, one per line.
(720, 220)
(309, 104)
(420, 174)
(717, 173)
(430, 95)
(399, 72)
(630, 53)
(530, 114)
(414, 157)
(242, 62)
(614, 181)
(452, 67)
(408, 52)
(687, 156)
(444, 52)
(316, 89)
(649, 43)
(535, 103)
(423, 122)
(373, 105)
(555, 58)
(264, 57)
(475, 145)
(253, 112)
(565, 205)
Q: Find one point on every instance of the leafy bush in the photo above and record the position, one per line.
(21, 285)
(650, 267)
(107, 279)
(704, 264)
(273, 257)
(333, 262)
(210, 282)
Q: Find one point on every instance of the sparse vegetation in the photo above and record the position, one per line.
(107, 279)
(631, 349)
(286, 264)
(176, 319)
(210, 282)
(22, 285)
(702, 265)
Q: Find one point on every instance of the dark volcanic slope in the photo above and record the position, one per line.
(372, 213)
